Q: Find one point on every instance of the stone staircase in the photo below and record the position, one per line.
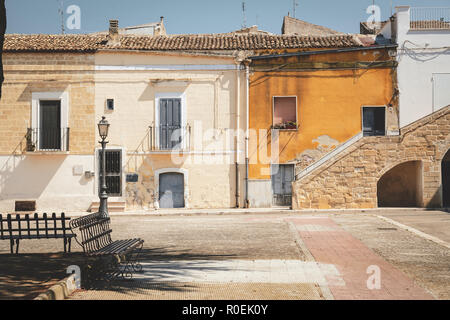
(113, 206)
(348, 176)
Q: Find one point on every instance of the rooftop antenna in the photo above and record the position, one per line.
(295, 4)
(244, 22)
(61, 12)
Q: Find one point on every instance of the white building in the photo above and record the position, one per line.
(423, 54)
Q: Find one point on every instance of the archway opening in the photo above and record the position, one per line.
(401, 186)
(446, 180)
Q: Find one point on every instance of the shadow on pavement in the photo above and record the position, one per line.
(169, 263)
(24, 276)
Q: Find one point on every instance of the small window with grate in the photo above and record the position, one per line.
(110, 104)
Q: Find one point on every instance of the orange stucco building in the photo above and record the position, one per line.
(304, 104)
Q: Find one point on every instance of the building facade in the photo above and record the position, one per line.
(307, 104)
(47, 130)
(408, 170)
(423, 39)
(174, 119)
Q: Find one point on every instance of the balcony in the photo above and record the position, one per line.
(430, 19)
(47, 139)
(169, 138)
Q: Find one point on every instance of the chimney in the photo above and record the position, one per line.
(160, 30)
(114, 31)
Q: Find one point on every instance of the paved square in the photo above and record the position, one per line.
(285, 256)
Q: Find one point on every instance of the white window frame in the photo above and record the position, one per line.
(296, 110)
(171, 95)
(97, 154)
(37, 97)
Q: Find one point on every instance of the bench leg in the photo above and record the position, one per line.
(65, 245)
(70, 243)
(11, 245)
(17, 246)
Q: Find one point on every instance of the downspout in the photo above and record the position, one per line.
(246, 132)
(238, 107)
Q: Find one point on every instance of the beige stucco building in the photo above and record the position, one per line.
(207, 110)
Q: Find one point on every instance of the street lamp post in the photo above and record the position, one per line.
(103, 127)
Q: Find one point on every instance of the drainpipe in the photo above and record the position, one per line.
(238, 107)
(246, 133)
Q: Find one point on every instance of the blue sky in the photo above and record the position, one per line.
(197, 16)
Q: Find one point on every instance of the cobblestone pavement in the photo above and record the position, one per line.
(250, 256)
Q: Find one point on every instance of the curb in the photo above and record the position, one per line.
(60, 290)
(242, 211)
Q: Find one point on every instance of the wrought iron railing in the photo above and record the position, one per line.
(47, 139)
(430, 18)
(168, 137)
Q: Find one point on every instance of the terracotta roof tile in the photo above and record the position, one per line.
(41, 42)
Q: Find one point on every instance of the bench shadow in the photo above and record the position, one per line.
(26, 275)
(161, 264)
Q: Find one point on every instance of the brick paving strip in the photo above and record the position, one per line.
(332, 245)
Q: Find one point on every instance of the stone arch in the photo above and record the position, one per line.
(401, 185)
(445, 178)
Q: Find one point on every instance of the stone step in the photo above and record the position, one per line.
(113, 206)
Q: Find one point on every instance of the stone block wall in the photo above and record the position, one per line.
(26, 73)
(349, 180)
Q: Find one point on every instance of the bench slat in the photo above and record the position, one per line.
(95, 237)
(118, 247)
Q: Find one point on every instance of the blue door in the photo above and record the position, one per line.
(281, 184)
(171, 190)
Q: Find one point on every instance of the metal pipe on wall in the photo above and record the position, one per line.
(246, 133)
(238, 107)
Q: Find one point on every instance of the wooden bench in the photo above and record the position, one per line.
(111, 258)
(20, 227)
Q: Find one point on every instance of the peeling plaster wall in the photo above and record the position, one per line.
(329, 105)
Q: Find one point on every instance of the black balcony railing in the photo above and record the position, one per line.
(48, 139)
(168, 137)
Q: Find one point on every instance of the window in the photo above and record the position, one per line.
(110, 104)
(285, 112)
(49, 122)
(374, 121)
(169, 123)
(171, 130)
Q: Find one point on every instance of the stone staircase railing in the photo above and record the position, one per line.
(329, 155)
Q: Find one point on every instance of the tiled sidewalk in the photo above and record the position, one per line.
(330, 244)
